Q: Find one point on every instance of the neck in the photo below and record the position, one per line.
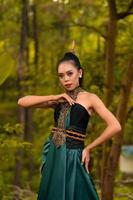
(73, 93)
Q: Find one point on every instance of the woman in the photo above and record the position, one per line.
(65, 167)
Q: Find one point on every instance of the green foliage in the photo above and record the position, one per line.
(10, 142)
(9, 192)
(6, 66)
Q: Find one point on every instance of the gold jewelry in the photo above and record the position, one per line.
(72, 48)
(59, 138)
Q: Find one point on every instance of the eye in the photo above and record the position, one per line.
(70, 73)
(60, 76)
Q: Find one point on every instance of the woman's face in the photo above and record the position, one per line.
(69, 75)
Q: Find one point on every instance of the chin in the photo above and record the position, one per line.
(69, 89)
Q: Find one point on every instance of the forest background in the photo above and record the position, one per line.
(33, 36)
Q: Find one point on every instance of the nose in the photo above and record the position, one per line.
(66, 78)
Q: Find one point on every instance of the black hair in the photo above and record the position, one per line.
(69, 56)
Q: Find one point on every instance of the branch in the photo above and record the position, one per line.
(73, 24)
(122, 15)
(89, 28)
(130, 6)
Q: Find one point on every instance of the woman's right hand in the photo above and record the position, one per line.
(63, 98)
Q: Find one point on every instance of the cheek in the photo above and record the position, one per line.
(61, 80)
(75, 76)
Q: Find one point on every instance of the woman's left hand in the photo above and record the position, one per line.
(86, 158)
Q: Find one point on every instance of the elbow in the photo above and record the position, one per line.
(118, 128)
(115, 128)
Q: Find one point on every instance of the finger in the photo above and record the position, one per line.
(68, 100)
(86, 166)
(71, 102)
(82, 160)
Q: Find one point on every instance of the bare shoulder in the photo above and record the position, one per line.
(86, 94)
(92, 98)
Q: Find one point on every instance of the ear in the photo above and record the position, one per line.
(80, 72)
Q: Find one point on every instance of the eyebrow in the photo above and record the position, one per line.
(66, 72)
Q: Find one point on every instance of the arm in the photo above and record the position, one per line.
(44, 101)
(35, 101)
(113, 127)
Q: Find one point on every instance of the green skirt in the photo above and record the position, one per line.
(63, 176)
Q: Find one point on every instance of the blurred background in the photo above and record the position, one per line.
(34, 34)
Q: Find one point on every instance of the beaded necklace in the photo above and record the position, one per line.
(59, 138)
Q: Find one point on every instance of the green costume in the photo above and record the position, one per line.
(63, 176)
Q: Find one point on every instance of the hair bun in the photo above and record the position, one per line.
(71, 56)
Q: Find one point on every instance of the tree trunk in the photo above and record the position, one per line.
(109, 82)
(21, 111)
(28, 133)
(28, 137)
(110, 58)
(112, 163)
(35, 35)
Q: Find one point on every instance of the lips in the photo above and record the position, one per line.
(68, 85)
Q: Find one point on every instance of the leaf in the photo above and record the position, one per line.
(6, 66)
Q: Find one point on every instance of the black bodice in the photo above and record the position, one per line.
(79, 118)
